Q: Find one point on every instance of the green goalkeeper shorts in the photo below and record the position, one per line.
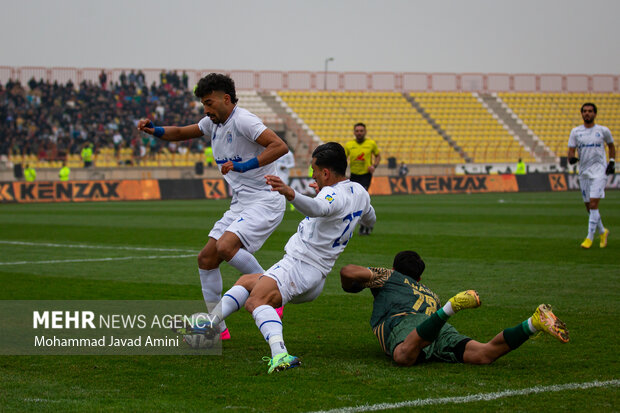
(448, 346)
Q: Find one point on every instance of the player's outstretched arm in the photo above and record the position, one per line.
(274, 148)
(353, 278)
(170, 133)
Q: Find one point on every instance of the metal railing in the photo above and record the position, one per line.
(345, 81)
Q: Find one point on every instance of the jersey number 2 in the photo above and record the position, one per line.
(348, 231)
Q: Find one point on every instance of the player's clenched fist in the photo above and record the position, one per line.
(145, 125)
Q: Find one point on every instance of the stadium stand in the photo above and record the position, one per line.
(399, 130)
(47, 122)
(250, 100)
(551, 116)
(472, 127)
(47, 118)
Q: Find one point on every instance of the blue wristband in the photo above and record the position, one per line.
(245, 166)
(159, 131)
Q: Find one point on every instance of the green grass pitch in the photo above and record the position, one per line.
(517, 250)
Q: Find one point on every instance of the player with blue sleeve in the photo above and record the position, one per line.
(244, 150)
(331, 218)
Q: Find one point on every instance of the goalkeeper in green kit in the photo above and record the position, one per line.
(411, 325)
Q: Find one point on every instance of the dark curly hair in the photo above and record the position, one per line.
(213, 82)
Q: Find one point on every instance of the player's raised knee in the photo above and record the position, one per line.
(226, 249)
(251, 304)
(207, 260)
(248, 281)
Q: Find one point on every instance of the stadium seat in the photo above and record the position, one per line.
(397, 127)
(551, 116)
(472, 127)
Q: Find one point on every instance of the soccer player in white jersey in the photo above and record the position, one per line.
(311, 252)
(284, 165)
(590, 139)
(244, 150)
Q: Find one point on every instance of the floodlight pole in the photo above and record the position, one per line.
(329, 59)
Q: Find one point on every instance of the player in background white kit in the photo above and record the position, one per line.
(331, 218)
(283, 166)
(244, 150)
(590, 139)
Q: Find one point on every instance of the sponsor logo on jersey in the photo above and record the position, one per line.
(220, 161)
(330, 198)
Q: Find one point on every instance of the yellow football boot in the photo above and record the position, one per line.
(464, 300)
(603, 236)
(544, 320)
(586, 244)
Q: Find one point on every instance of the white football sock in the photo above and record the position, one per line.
(595, 217)
(270, 326)
(600, 226)
(246, 263)
(232, 300)
(531, 325)
(211, 281)
(447, 308)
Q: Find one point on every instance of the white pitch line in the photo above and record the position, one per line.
(98, 247)
(475, 397)
(149, 257)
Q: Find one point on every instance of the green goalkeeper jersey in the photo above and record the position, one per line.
(396, 295)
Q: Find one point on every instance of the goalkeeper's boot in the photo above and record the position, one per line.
(603, 237)
(464, 300)
(586, 244)
(280, 311)
(281, 362)
(544, 320)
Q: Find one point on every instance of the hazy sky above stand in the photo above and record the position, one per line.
(518, 36)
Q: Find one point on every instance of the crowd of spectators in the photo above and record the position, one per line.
(52, 120)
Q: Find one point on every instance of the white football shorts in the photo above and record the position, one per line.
(252, 216)
(298, 282)
(592, 188)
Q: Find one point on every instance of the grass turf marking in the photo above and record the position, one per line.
(103, 247)
(475, 397)
(149, 257)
